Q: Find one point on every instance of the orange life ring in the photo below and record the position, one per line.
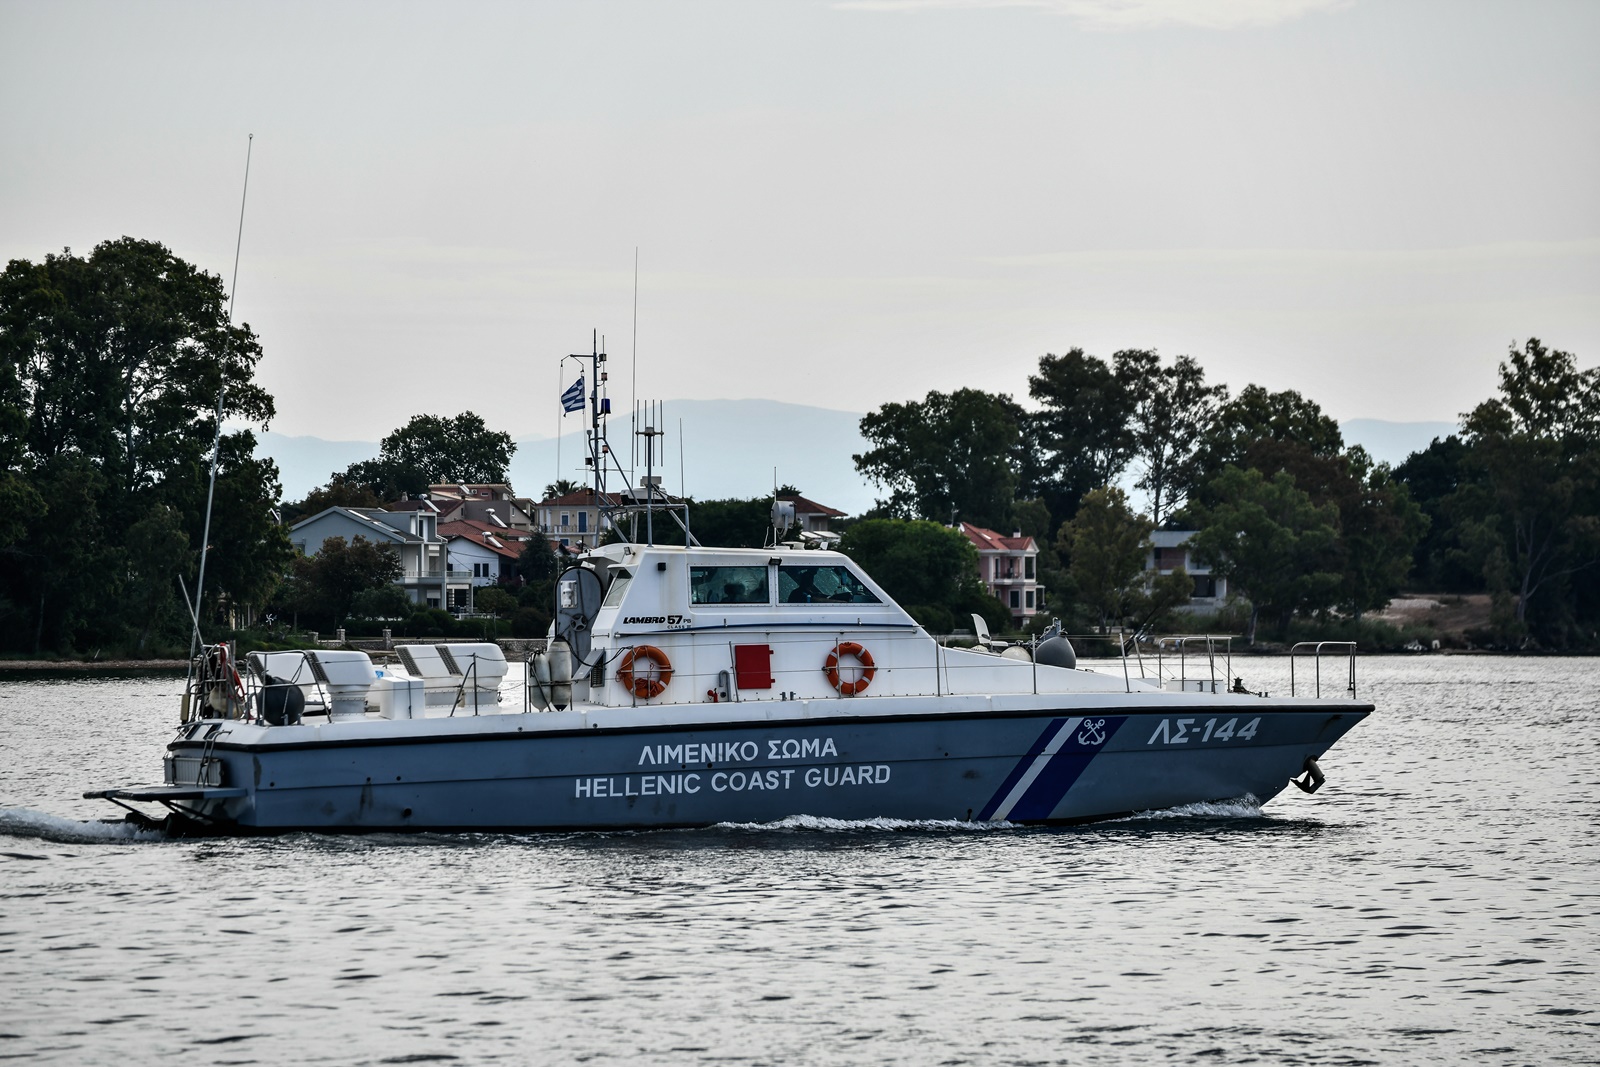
(645, 685)
(849, 648)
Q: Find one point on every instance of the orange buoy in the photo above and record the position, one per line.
(849, 648)
(653, 675)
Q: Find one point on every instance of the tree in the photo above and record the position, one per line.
(537, 562)
(1105, 546)
(1081, 433)
(561, 487)
(158, 552)
(1171, 409)
(339, 492)
(1536, 449)
(430, 450)
(947, 456)
(110, 367)
(331, 580)
(732, 523)
(495, 601)
(1433, 477)
(1379, 527)
(387, 601)
(1271, 542)
(1272, 432)
(916, 562)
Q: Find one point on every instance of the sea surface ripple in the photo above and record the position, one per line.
(1436, 903)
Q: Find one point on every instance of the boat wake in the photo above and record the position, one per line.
(1245, 807)
(803, 823)
(25, 822)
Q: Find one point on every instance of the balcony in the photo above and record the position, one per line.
(435, 574)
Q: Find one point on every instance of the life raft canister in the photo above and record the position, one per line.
(646, 684)
(849, 648)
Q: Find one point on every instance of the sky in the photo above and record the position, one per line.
(833, 203)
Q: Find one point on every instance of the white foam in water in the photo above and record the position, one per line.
(1245, 807)
(819, 822)
(25, 822)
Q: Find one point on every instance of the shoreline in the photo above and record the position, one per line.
(94, 665)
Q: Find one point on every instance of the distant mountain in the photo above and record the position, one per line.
(729, 448)
(1393, 442)
(306, 462)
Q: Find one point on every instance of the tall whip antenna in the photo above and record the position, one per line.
(633, 362)
(222, 392)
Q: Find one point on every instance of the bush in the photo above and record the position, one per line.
(429, 622)
(530, 622)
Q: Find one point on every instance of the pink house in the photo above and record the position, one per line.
(1008, 568)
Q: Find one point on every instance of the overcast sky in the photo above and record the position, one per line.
(838, 203)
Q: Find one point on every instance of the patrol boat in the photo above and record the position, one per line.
(687, 686)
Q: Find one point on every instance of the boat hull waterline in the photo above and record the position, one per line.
(1064, 759)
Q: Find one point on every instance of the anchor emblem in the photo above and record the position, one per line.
(1093, 732)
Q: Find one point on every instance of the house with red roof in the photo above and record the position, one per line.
(1008, 568)
(810, 515)
(487, 551)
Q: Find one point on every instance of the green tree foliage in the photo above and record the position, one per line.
(339, 492)
(1081, 433)
(1433, 477)
(495, 601)
(731, 523)
(431, 450)
(561, 487)
(1170, 411)
(1380, 526)
(931, 570)
(387, 601)
(1273, 544)
(949, 454)
(1105, 546)
(1531, 509)
(157, 552)
(327, 584)
(1257, 428)
(537, 562)
(110, 367)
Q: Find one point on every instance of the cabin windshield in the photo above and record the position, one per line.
(822, 585)
(619, 588)
(728, 585)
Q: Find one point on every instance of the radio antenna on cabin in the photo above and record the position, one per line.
(222, 392)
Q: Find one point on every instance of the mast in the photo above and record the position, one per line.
(222, 392)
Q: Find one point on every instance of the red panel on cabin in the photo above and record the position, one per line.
(752, 664)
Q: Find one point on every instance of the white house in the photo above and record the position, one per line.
(489, 553)
(1169, 551)
(413, 535)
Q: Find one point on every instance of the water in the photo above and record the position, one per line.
(1437, 902)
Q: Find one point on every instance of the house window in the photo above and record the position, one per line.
(1016, 598)
(1027, 568)
(1028, 599)
(583, 522)
(566, 519)
(1170, 559)
(1205, 585)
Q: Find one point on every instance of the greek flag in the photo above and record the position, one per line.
(572, 399)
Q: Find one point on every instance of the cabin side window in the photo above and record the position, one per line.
(728, 585)
(822, 585)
